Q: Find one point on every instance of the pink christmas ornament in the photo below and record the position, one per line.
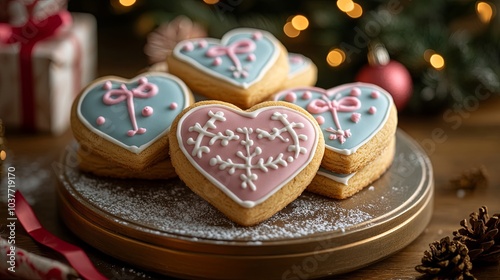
(388, 74)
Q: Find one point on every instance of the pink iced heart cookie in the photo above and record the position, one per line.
(248, 164)
(126, 121)
(243, 68)
(358, 121)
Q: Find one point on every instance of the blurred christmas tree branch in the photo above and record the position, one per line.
(450, 48)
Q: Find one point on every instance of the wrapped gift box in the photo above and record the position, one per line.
(61, 67)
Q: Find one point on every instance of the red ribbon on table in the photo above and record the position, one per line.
(75, 256)
(27, 36)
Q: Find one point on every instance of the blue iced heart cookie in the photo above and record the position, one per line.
(242, 57)
(298, 63)
(133, 113)
(303, 72)
(349, 115)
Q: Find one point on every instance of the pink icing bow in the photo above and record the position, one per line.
(345, 104)
(115, 96)
(238, 47)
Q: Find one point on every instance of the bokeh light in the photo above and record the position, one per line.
(437, 61)
(485, 11)
(127, 3)
(290, 31)
(300, 22)
(345, 5)
(356, 12)
(335, 57)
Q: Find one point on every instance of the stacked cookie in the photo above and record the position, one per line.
(260, 138)
(244, 68)
(359, 123)
(122, 125)
(251, 163)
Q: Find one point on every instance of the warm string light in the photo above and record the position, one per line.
(122, 6)
(335, 57)
(356, 12)
(211, 2)
(3, 155)
(435, 60)
(485, 11)
(295, 25)
(127, 3)
(345, 5)
(290, 31)
(300, 22)
(352, 9)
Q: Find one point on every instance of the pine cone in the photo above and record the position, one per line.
(446, 259)
(471, 179)
(481, 235)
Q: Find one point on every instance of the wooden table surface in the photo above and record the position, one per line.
(468, 142)
(465, 137)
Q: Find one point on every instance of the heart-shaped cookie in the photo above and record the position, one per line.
(342, 186)
(244, 67)
(357, 121)
(241, 57)
(248, 164)
(303, 72)
(126, 121)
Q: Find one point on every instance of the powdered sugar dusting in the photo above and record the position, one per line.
(170, 208)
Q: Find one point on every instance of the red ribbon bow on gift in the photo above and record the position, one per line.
(238, 47)
(27, 36)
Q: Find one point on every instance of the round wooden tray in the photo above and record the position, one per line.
(163, 227)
